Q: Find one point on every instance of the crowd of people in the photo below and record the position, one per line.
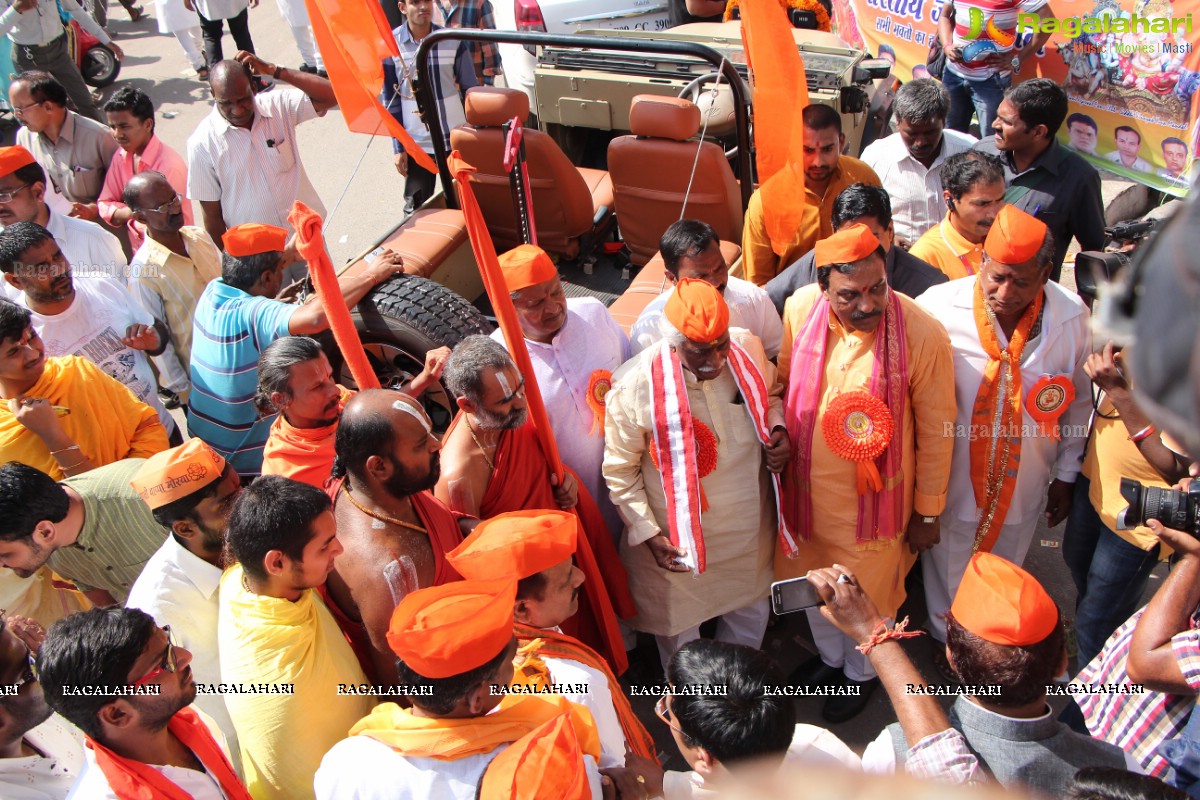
(308, 591)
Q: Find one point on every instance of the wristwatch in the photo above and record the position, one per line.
(1016, 64)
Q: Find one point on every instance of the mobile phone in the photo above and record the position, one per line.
(796, 594)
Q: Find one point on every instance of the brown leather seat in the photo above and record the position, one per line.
(650, 172)
(568, 201)
(650, 282)
(426, 240)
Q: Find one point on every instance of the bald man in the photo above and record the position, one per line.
(240, 178)
(395, 533)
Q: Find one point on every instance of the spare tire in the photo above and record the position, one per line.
(403, 319)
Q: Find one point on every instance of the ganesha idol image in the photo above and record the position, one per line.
(1147, 59)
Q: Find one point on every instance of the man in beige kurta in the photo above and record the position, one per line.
(854, 301)
(738, 522)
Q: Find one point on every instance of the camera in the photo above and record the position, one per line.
(1171, 507)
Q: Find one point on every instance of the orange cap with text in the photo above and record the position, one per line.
(516, 544)
(253, 238)
(526, 265)
(174, 474)
(846, 246)
(544, 764)
(1002, 603)
(13, 158)
(1014, 237)
(450, 629)
(697, 310)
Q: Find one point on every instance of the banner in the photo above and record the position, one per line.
(1130, 68)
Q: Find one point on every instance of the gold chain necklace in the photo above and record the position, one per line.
(382, 517)
(483, 450)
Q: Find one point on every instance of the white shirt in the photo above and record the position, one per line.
(589, 340)
(49, 776)
(1061, 349)
(811, 747)
(221, 9)
(915, 191)
(92, 784)
(256, 174)
(42, 25)
(750, 307)
(178, 588)
(597, 699)
(89, 249)
(92, 328)
(361, 768)
(1139, 164)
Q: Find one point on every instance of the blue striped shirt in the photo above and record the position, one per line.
(230, 329)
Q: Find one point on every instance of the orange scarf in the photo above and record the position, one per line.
(996, 419)
(449, 739)
(133, 780)
(303, 454)
(538, 642)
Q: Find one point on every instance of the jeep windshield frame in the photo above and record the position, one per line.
(429, 108)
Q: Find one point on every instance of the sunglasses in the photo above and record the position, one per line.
(169, 662)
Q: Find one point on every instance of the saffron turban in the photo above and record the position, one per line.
(1014, 237)
(454, 628)
(526, 265)
(253, 238)
(697, 310)
(544, 764)
(176, 473)
(516, 544)
(13, 158)
(846, 246)
(1002, 603)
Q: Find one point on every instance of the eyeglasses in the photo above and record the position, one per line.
(666, 715)
(169, 663)
(174, 202)
(7, 197)
(19, 111)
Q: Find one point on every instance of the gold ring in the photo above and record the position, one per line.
(641, 778)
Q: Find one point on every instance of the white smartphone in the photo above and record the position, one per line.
(795, 594)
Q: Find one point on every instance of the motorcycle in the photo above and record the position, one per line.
(97, 63)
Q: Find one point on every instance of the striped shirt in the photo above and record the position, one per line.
(77, 162)
(119, 533)
(255, 174)
(230, 330)
(1139, 723)
(994, 25)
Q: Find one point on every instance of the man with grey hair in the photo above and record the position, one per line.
(493, 462)
(703, 403)
(908, 161)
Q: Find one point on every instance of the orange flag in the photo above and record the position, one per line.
(780, 96)
(354, 39)
(311, 244)
(506, 313)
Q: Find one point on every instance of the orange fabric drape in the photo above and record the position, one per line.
(780, 96)
(354, 39)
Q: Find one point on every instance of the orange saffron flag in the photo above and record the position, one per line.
(354, 38)
(780, 96)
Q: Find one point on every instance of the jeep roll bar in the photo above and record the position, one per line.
(425, 99)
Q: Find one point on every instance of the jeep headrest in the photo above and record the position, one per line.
(492, 106)
(663, 117)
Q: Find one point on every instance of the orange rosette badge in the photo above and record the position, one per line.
(706, 455)
(597, 389)
(1048, 399)
(858, 427)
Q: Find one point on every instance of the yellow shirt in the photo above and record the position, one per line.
(880, 565)
(758, 259)
(945, 248)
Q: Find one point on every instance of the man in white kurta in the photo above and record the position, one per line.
(575, 346)
(1017, 251)
(736, 530)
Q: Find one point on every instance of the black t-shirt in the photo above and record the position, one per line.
(680, 16)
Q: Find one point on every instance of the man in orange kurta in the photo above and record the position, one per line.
(492, 462)
(852, 346)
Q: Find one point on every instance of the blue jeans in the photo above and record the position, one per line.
(980, 97)
(1110, 574)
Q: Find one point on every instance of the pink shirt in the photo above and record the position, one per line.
(124, 165)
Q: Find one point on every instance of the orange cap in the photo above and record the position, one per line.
(846, 246)
(516, 544)
(697, 310)
(1014, 237)
(253, 238)
(544, 764)
(1002, 603)
(13, 158)
(174, 474)
(450, 629)
(526, 265)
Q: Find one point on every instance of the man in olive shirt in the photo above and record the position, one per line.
(92, 529)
